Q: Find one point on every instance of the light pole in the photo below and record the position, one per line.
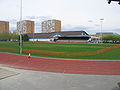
(33, 36)
(101, 21)
(20, 27)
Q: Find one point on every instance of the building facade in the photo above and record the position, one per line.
(4, 27)
(66, 36)
(51, 26)
(27, 26)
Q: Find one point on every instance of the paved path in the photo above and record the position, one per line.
(6, 73)
(59, 65)
(37, 80)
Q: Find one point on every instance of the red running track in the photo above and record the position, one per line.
(59, 65)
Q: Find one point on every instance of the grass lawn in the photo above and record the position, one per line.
(113, 54)
(63, 50)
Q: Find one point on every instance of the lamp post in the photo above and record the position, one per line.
(101, 21)
(20, 27)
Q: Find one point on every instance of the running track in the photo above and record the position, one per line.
(61, 65)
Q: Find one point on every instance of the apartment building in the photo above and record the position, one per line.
(4, 26)
(25, 26)
(51, 26)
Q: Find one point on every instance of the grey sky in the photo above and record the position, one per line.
(74, 14)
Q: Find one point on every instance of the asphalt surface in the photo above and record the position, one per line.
(37, 80)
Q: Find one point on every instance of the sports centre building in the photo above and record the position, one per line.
(65, 36)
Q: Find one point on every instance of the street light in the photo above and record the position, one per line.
(101, 21)
(20, 27)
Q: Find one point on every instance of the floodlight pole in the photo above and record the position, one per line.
(33, 36)
(101, 21)
(20, 26)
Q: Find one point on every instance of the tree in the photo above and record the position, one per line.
(9, 37)
(4, 36)
(111, 38)
(25, 37)
(14, 37)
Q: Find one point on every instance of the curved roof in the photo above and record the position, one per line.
(64, 33)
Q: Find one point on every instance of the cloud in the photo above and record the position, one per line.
(12, 29)
(115, 30)
(73, 28)
(38, 18)
(88, 29)
(12, 23)
(30, 17)
(91, 29)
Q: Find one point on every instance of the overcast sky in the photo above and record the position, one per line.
(75, 14)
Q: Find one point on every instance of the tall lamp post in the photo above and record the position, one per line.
(101, 21)
(20, 27)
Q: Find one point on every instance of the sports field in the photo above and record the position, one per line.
(65, 50)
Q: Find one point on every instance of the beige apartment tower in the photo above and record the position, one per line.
(51, 26)
(25, 26)
(4, 27)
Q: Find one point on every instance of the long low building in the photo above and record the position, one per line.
(66, 36)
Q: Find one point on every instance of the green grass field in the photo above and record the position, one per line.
(64, 50)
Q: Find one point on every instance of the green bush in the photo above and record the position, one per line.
(111, 38)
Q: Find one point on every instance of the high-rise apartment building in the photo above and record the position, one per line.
(4, 27)
(51, 26)
(25, 26)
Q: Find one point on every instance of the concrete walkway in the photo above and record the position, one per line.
(20, 79)
(37, 80)
(6, 73)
